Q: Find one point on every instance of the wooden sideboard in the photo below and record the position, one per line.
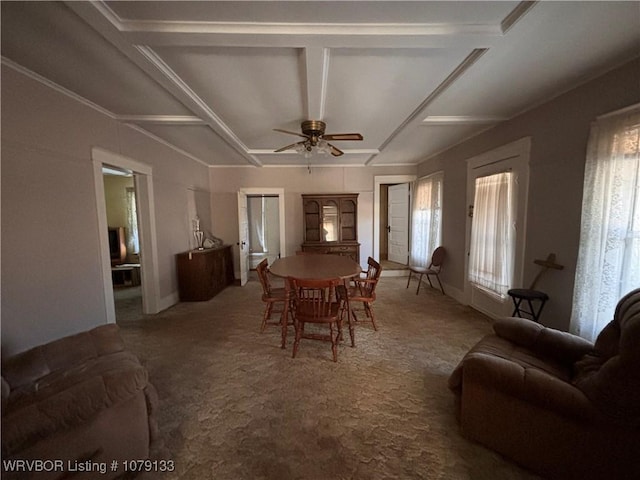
(202, 274)
(331, 224)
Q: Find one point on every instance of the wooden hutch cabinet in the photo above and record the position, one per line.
(331, 224)
(202, 274)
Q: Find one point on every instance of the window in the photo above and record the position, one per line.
(426, 219)
(492, 237)
(609, 255)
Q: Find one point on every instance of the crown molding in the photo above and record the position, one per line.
(54, 86)
(83, 101)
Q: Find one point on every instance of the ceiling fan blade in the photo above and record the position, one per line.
(342, 136)
(291, 133)
(336, 152)
(288, 147)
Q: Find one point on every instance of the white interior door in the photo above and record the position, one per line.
(398, 204)
(243, 243)
(514, 158)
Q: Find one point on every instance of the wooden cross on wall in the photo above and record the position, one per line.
(550, 262)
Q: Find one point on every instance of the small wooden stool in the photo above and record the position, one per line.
(518, 295)
(531, 295)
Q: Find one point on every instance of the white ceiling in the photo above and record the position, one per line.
(214, 78)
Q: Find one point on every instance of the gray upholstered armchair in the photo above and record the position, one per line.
(554, 402)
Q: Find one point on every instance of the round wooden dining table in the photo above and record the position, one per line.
(315, 267)
(312, 267)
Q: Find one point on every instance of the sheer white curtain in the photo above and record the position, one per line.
(609, 256)
(426, 219)
(257, 224)
(133, 242)
(492, 236)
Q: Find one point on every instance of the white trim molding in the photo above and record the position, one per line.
(377, 181)
(151, 301)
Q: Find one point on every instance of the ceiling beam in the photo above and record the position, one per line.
(161, 119)
(104, 21)
(446, 83)
(316, 72)
(308, 34)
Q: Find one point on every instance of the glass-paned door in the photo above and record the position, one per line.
(497, 188)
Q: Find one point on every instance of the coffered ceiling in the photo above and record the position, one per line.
(213, 79)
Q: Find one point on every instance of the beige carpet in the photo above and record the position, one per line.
(233, 405)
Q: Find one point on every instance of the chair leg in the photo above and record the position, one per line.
(284, 325)
(516, 308)
(334, 341)
(409, 279)
(296, 343)
(351, 330)
(266, 316)
(440, 283)
(347, 309)
(373, 320)
(419, 282)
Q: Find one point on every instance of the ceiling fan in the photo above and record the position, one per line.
(313, 133)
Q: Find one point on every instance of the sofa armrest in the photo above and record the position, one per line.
(31, 365)
(561, 346)
(527, 384)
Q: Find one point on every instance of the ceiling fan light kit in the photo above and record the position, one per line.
(316, 140)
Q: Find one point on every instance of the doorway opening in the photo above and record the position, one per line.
(261, 224)
(147, 254)
(382, 225)
(263, 213)
(124, 244)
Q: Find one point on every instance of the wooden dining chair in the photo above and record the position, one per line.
(434, 268)
(272, 296)
(318, 302)
(363, 290)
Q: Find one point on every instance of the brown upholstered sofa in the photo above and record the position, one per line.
(81, 401)
(554, 402)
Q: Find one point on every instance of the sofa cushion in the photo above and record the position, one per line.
(65, 399)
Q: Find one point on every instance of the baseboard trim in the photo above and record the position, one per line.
(394, 273)
(168, 301)
(455, 293)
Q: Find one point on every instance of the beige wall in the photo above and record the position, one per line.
(51, 259)
(225, 183)
(559, 130)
